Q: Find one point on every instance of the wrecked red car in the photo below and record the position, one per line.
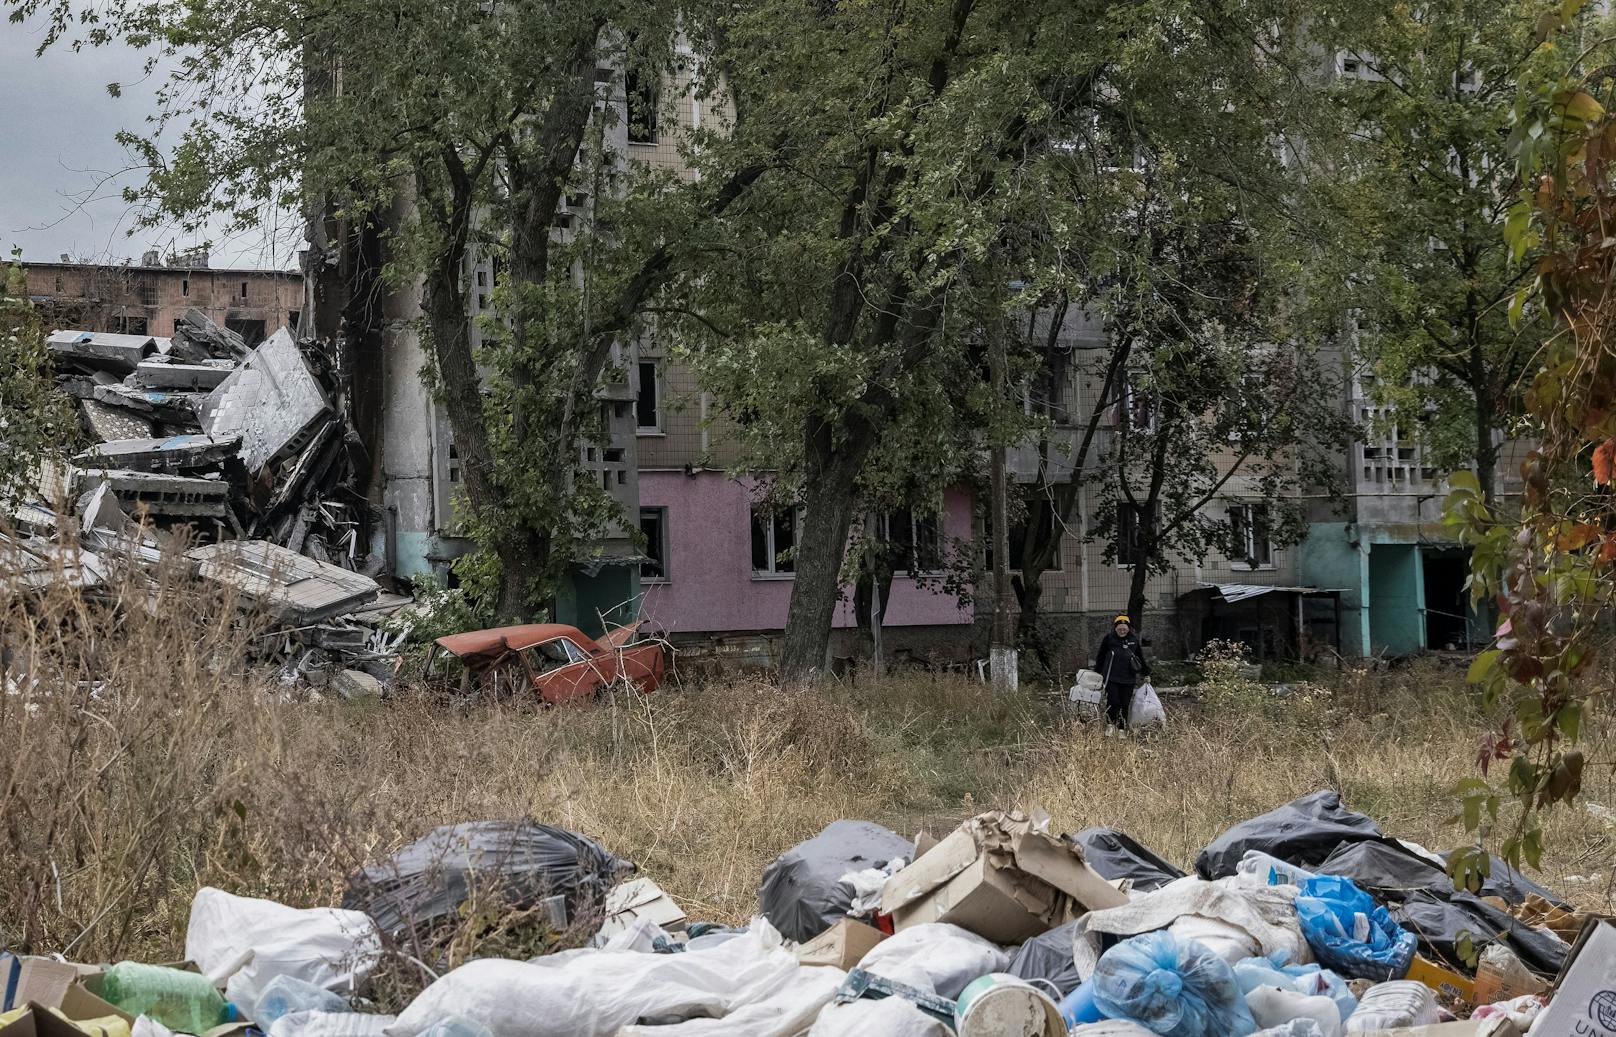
(557, 661)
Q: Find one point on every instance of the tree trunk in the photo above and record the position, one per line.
(1486, 422)
(1136, 590)
(829, 489)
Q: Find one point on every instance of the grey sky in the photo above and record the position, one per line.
(57, 123)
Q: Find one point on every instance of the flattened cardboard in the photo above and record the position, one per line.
(842, 946)
(44, 981)
(40, 1021)
(1443, 980)
(640, 898)
(1584, 1001)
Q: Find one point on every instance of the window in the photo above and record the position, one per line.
(294, 318)
(132, 325)
(1249, 537)
(1135, 408)
(647, 405)
(552, 655)
(251, 331)
(1132, 526)
(1018, 540)
(641, 97)
(654, 525)
(774, 540)
(185, 286)
(244, 289)
(915, 540)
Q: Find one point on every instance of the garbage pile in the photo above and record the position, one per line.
(251, 451)
(1303, 922)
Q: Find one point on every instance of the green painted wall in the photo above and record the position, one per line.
(1396, 598)
(1327, 560)
(613, 592)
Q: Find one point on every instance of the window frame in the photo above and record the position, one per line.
(1137, 514)
(756, 515)
(1243, 535)
(661, 558)
(655, 366)
(648, 109)
(911, 563)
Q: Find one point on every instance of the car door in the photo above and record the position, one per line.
(563, 671)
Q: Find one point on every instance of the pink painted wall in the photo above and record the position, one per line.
(710, 584)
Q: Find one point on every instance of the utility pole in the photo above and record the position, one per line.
(1002, 662)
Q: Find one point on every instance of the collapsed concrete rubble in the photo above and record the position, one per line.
(884, 947)
(249, 453)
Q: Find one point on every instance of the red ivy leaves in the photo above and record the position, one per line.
(1605, 463)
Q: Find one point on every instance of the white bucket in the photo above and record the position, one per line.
(1002, 1005)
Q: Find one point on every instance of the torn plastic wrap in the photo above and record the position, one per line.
(521, 862)
(1117, 855)
(1304, 831)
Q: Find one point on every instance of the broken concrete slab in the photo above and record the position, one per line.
(38, 564)
(82, 386)
(196, 337)
(203, 376)
(281, 583)
(107, 424)
(172, 454)
(172, 408)
(271, 400)
(159, 494)
(101, 349)
(356, 684)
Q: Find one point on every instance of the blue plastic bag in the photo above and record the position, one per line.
(1272, 971)
(1350, 933)
(1173, 987)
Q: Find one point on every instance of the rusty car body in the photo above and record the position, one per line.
(557, 662)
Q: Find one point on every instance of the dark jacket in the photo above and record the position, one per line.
(1122, 659)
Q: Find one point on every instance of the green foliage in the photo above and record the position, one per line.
(37, 424)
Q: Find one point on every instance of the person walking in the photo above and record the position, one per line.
(1122, 661)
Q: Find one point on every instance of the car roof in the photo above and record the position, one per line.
(498, 640)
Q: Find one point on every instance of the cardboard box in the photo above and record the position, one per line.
(843, 945)
(628, 902)
(40, 1021)
(1584, 1001)
(1442, 979)
(1000, 875)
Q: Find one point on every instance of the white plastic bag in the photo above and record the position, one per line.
(1226, 940)
(935, 957)
(597, 993)
(785, 1013)
(888, 1017)
(1388, 1006)
(1146, 709)
(1279, 1006)
(244, 943)
(330, 1024)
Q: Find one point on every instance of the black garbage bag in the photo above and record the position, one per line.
(1439, 922)
(1511, 886)
(803, 894)
(1048, 956)
(1117, 855)
(1304, 831)
(1386, 870)
(520, 862)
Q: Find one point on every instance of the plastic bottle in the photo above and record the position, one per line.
(185, 1002)
(287, 994)
(1388, 1006)
(1268, 870)
(1078, 1007)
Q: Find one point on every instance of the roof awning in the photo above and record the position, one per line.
(1232, 592)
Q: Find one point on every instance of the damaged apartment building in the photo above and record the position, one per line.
(1376, 574)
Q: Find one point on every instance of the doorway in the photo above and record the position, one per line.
(1447, 605)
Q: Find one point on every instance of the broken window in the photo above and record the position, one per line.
(244, 289)
(774, 540)
(551, 655)
(648, 403)
(654, 525)
(185, 286)
(915, 540)
(1134, 522)
(641, 101)
(1249, 535)
(293, 318)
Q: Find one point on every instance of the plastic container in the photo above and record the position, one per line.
(287, 994)
(1269, 870)
(1078, 1007)
(185, 1002)
(1002, 1005)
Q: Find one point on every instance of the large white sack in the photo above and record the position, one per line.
(785, 1013)
(888, 1017)
(936, 957)
(326, 946)
(330, 1024)
(1145, 709)
(595, 994)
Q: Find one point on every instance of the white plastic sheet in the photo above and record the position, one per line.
(330, 1024)
(889, 1017)
(935, 957)
(252, 941)
(785, 1013)
(596, 993)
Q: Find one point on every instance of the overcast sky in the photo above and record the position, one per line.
(57, 124)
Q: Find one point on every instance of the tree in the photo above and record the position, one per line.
(1211, 393)
(934, 150)
(1551, 568)
(36, 422)
(1420, 186)
(457, 131)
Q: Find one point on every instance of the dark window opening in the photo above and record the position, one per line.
(185, 286)
(1249, 535)
(654, 525)
(1133, 525)
(647, 413)
(1018, 547)
(641, 95)
(132, 325)
(244, 289)
(251, 331)
(915, 540)
(774, 540)
(294, 318)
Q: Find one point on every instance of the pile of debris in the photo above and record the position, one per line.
(249, 452)
(1000, 929)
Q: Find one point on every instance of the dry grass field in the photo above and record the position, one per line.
(142, 759)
